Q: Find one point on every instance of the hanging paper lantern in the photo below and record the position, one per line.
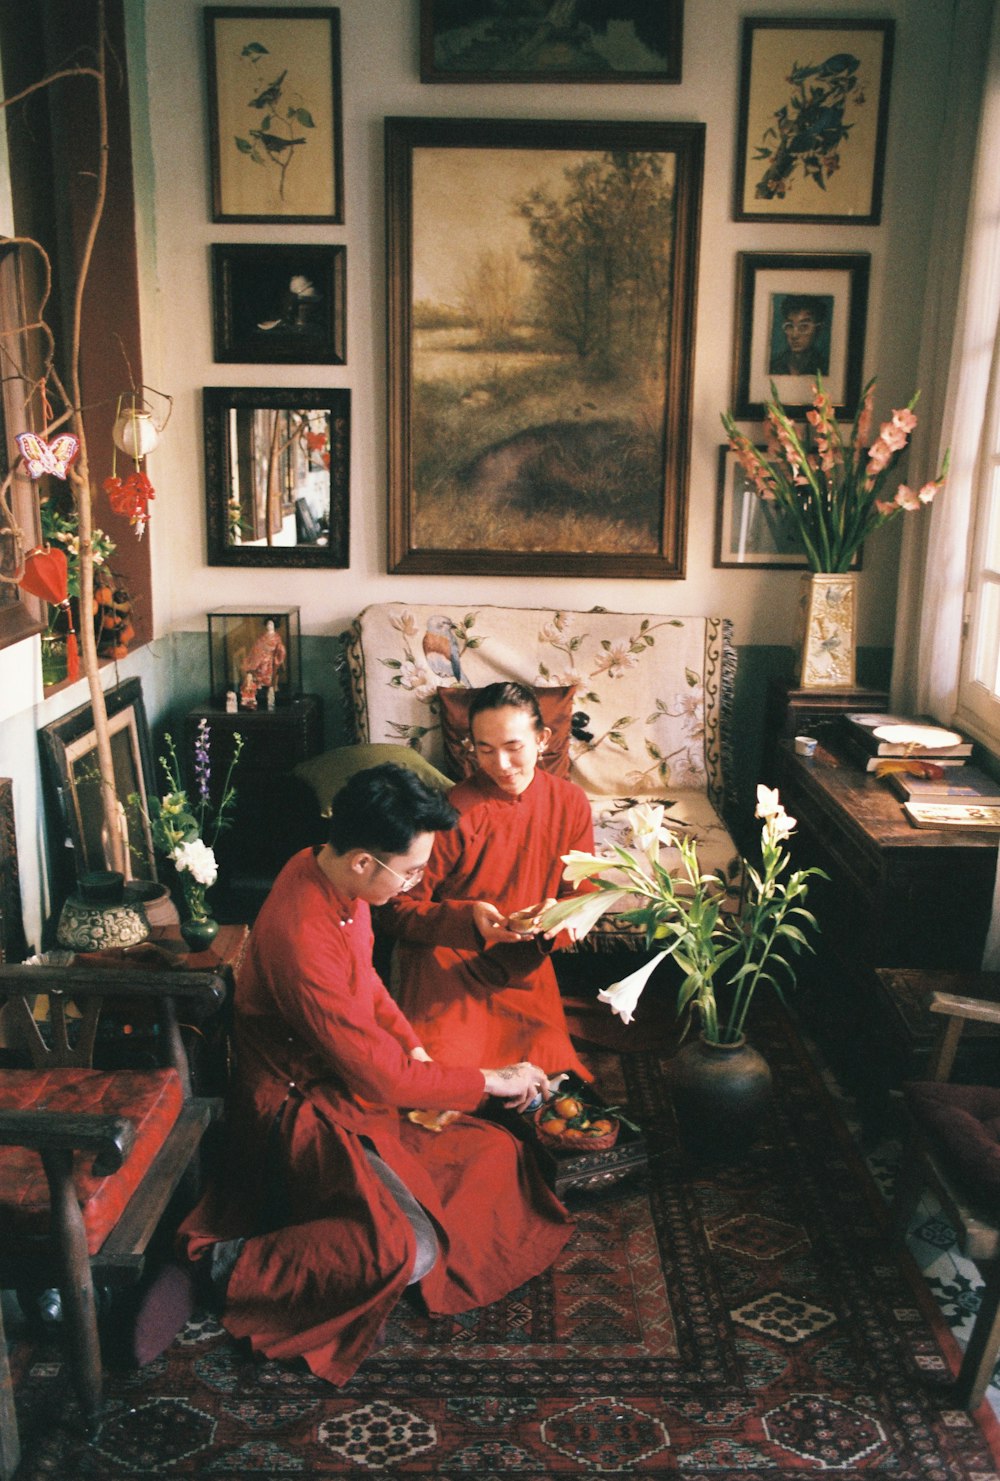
(41, 457)
(46, 575)
(135, 432)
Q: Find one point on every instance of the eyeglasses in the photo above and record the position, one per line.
(407, 880)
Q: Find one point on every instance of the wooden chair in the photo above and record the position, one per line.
(954, 1149)
(90, 1159)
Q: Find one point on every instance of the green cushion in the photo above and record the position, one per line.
(326, 774)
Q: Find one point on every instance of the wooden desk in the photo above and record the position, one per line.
(900, 896)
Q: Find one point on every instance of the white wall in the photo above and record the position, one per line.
(380, 77)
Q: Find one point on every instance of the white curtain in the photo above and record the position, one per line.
(959, 345)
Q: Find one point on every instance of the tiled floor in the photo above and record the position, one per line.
(953, 1279)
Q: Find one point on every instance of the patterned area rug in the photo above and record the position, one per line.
(712, 1323)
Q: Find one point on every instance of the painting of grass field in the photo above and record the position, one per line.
(541, 316)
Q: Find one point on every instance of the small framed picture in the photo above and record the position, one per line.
(751, 531)
(275, 124)
(509, 41)
(799, 316)
(280, 305)
(69, 748)
(814, 109)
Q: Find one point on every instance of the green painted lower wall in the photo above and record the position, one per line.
(175, 678)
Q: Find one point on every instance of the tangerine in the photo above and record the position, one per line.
(567, 1106)
(602, 1126)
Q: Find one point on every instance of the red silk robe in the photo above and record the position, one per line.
(496, 1006)
(322, 1061)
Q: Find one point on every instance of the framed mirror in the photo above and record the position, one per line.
(277, 465)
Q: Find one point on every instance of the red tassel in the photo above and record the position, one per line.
(72, 651)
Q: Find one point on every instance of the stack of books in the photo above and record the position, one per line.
(959, 796)
(871, 738)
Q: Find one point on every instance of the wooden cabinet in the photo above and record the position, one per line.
(899, 896)
(790, 711)
(251, 852)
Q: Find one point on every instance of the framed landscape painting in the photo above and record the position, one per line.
(274, 113)
(813, 117)
(540, 368)
(535, 41)
(799, 315)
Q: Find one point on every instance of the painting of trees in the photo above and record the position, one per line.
(543, 375)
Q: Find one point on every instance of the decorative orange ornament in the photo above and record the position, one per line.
(45, 575)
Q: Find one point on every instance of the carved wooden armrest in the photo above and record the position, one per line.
(958, 1011)
(110, 1138)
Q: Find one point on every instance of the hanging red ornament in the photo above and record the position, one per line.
(130, 496)
(46, 575)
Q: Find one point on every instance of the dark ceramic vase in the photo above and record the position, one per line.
(199, 934)
(720, 1093)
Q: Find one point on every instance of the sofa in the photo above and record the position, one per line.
(639, 704)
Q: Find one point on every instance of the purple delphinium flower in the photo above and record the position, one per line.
(202, 765)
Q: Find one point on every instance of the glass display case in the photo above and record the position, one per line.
(255, 657)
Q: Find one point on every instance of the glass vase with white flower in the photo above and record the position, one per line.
(187, 830)
(724, 953)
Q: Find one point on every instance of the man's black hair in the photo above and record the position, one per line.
(809, 303)
(383, 809)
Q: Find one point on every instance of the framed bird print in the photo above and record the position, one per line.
(275, 124)
(541, 287)
(279, 304)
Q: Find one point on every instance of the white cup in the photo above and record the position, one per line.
(805, 745)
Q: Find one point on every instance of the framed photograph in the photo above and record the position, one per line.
(799, 315)
(69, 754)
(540, 369)
(280, 305)
(274, 113)
(21, 614)
(750, 531)
(13, 946)
(519, 41)
(277, 475)
(813, 116)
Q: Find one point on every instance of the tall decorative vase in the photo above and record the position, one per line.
(828, 629)
(720, 1093)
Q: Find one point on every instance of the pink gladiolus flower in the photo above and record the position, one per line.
(878, 457)
(893, 437)
(904, 419)
(927, 493)
(865, 421)
(885, 509)
(906, 498)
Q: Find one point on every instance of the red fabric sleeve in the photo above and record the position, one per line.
(334, 1000)
(418, 917)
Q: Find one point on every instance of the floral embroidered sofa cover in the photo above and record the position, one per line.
(652, 697)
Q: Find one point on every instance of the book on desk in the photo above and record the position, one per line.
(968, 815)
(962, 784)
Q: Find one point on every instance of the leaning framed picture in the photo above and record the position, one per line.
(541, 288)
(274, 113)
(751, 531)
(278, 304)
(509, 41)
(813, 117)
(799, 316)
(76, 817)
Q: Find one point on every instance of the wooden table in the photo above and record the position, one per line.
(900, 896)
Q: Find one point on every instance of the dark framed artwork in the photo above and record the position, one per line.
(279, 305)
(13, 945)
(277, 475)
(21, 614)
(69, 757)
(813, 118)
(799, 315)
(750, 531)
(274, 113)
(540, 370)
(522, 41)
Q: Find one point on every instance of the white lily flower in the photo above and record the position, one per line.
(768, 802)
(585, 866)
(646, 821)
(580, 911)
(622, 997)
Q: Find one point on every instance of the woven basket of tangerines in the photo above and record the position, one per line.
(567, 1124)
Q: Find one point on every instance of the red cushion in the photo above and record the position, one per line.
(151, 1099)
(964, 1121)
(555, 703)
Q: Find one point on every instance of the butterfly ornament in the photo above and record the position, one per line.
(41, 457)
